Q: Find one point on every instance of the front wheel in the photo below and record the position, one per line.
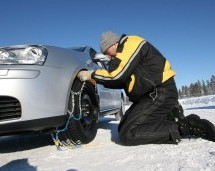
(82, 130)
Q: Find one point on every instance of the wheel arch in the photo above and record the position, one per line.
(73, 78)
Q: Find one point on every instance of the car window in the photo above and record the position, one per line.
(99, 64)
(92, 55)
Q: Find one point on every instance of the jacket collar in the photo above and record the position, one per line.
(123, 38)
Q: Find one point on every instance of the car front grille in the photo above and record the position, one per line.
(10, 108)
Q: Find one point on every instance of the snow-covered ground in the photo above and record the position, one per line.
(31, 153)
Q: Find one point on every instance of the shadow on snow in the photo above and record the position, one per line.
(19, 164)
(15, 143)
(107, 124)
(24, 142)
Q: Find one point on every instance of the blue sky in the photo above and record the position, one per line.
(183, 30)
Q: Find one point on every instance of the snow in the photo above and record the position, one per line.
(202, 102)
(37, 152)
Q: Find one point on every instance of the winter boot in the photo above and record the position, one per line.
(177, 113)
(193, 126)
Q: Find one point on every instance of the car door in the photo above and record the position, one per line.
(106, 96)
(109, 98)
(114, 94)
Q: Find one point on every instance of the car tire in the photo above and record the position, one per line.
(121, 112)
(82, 130)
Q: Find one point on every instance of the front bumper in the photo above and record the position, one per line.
(42, 92)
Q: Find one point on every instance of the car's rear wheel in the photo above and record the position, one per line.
(82, 130)
(121, 112)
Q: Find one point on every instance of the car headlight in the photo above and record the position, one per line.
(35, 55)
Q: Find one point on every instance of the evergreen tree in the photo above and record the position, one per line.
(182, 92)
(187, 91)
(180, 95)
(198, 89)
(212, 84)
(192, 90)
(204, 89)
(209, 87)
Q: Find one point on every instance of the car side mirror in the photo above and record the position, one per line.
(99, 57)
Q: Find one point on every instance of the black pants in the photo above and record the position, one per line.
(148, 121)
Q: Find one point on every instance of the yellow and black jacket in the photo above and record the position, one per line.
(138, 68)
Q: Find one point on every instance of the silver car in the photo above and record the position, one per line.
(40, 92)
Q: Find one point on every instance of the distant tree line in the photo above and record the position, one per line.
(200, 88)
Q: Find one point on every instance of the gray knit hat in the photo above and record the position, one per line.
(107, 40)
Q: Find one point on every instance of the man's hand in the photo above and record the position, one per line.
(85, 75)
(92, 81)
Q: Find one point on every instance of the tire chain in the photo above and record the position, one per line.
(55, 138)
